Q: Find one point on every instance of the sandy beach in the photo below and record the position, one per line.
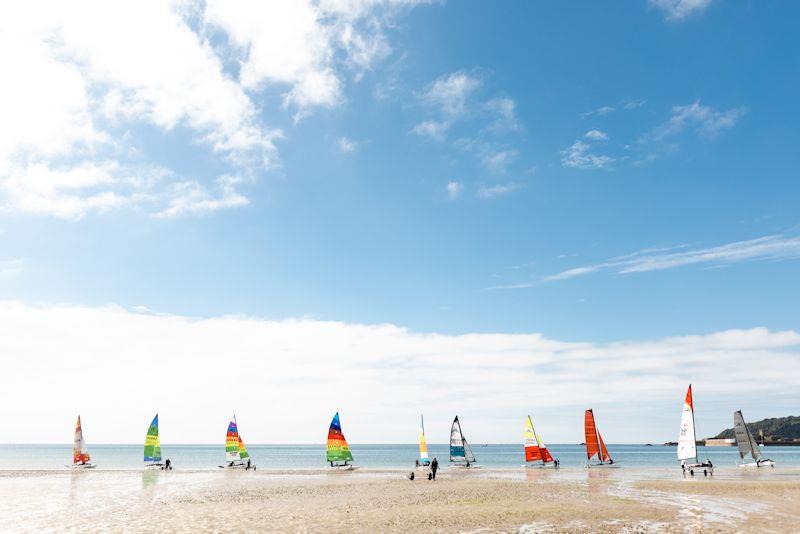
(489, 500)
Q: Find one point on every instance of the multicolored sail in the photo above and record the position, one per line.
(232, 441)
(243, 454)
(152, 443)
(687, 440)
(338, 449)
(423, 445)
(594, 441)
(535, 450)
(80, 454)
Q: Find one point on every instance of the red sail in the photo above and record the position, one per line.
(546, 456)
(592, 446)
(605, 456)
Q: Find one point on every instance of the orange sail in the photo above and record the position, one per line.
(535, 450)
(80, 454)
(592, 445)
(594, 441)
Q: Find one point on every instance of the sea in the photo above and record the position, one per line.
(53, 457)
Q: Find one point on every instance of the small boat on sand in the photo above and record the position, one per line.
(236, 455)
(338, 451)
(536, 454)
(596, 451)
(80, 453)
(747, 444)
(461, 455)
(152, 446)
(687, 441)
(424, 462)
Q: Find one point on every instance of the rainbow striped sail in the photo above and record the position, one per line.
(423, 445)
(152, 444)
(80, 454)
(338, 449)
(232, 441)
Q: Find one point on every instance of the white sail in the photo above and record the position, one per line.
(687, 440)
(457, 452)
(744, 439)
(468, 451)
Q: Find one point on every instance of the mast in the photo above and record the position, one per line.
(538, 442)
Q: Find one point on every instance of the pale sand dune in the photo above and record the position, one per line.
(572, 500)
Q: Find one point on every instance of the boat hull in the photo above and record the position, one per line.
(238, 466)
(337, 468)
(602, 466)
(472, 466)
(550, 465)
(763, 463)
(82, 466)
(698, 468)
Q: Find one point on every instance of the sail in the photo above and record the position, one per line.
(535, 450)
(604, 456)
(232, 442)
(457, 453)
(468, 455)
(744, 439)
(80, 454)
(423, 445)
(687, 441)
(152, 443)
(338, 449)
(243, 454)
(592, 445)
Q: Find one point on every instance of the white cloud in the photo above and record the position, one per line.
(634, 104)
(578, 156)
(498, 161)
(505, 115)
(346, 145)
(304, 370)
(488, 192)
(773, 247)
(596, 135)
(704, 119)
(191, 197)
(680, 9)
(78, 74)
(454, 189)
(604, 110)
(448, 94)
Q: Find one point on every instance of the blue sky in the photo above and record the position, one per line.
(597, 172)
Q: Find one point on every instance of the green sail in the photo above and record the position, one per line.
(152, 443)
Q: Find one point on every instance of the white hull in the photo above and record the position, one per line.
(238, 466)
(154, 466)
(698, 468)
(603, 466)
(762, 463)
(540, 466)
(471, 466)
(82, 466)
(423, 467)
(348, 467)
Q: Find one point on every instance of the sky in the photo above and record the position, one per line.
(285, 209)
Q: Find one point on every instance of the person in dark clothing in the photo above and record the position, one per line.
(434, 468)
(168, 464)
(411, 475)
(248, 465)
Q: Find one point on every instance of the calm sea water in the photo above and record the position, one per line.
(377, 456)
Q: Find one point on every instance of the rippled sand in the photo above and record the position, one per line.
(570, 500)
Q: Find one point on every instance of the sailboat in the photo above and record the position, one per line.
(236, 454)
(747, 444)
(536, 454)
(460, 452)
(338, 451)
(80, 453)
(424, 462)
(152, 446)
(687, 440)
(595, 447)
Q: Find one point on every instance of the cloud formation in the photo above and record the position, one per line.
(291, 375)
(675, 10)
(772, 247)
(705, 120)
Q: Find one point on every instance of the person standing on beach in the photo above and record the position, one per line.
(434, 467)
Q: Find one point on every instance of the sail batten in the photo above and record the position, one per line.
(152, 443)
(687, 439)
(337, 448)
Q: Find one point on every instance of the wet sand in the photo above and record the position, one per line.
(487, 500)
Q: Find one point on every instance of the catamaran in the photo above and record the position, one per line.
(687, 440)
(423, 462)
(80, 453)
(460, 452)
(536, 454)
(338, 451)
(595, 447)
(747, 444)
(236, 455)
(152, 446)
